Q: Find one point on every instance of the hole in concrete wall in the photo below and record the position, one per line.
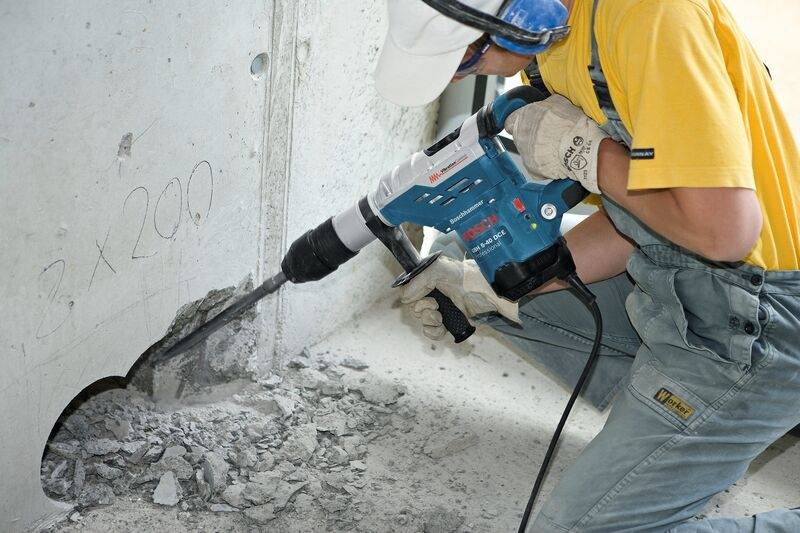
(64, 462)
(106, 438)
(290, 449)
(260, 66)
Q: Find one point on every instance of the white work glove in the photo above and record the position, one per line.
(557, 140)
(463, 282)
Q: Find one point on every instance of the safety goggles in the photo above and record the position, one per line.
(470, 65)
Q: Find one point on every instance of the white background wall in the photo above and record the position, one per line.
(772, 27)
(78, 77)
(284, 150)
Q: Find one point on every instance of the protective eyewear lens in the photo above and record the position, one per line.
(469, 65)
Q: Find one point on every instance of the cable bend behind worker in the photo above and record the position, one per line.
(693, 256)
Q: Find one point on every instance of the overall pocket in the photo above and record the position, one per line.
(697, 311)
(666, 396)
(716, 316)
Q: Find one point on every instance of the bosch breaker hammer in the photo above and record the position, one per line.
(467, 183)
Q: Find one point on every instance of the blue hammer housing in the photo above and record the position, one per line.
(469, 184)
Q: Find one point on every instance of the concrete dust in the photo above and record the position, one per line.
(289, 452)
(373, 429)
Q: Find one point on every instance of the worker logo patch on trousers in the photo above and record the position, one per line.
(674, 403)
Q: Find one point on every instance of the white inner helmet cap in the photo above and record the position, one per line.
(423, 50)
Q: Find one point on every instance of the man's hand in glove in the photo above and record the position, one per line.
(463, 282)
(557, 140)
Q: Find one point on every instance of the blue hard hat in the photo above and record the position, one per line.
(545, 17)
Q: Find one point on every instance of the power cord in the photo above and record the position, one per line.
(582, 292)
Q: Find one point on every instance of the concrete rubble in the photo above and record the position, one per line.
(298, 441)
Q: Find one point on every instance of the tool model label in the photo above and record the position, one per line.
(485, 236)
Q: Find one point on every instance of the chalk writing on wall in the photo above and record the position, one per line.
(162, 216)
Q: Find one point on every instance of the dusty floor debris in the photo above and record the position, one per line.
(295, 444)
(374, 429)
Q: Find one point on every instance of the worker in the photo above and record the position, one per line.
(664, 110)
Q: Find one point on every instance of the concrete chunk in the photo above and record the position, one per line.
(100, 494)
(235, 497)
(68, 451)
(285, 492)
(168, 490)
(335, 422)
(178, 465)
(132, 447)
(301, 443)
(78, 478)
(120, 428)
(261, 514)
(354, 363)
(215, 471)
(203, 488)
(337, 455)
(310, 378)
(107, 472)
(174, 451)
(102, 446)
(258, 493)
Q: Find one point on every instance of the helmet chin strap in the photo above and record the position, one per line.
(496, 26)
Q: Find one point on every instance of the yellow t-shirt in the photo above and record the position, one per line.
(688, 84)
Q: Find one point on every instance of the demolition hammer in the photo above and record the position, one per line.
(467, 183)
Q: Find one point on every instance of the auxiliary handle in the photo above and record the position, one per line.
(453, 319)
(398, 243)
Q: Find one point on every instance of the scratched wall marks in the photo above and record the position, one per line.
(137, 214)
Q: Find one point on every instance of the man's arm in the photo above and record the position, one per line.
(718, 223)
(599, 250)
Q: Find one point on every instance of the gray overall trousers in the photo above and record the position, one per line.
(702, 362)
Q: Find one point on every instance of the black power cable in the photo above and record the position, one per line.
(582, 292)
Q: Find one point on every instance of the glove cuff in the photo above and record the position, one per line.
(475, 282)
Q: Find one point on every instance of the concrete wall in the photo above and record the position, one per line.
(142, 165)
(344, 136)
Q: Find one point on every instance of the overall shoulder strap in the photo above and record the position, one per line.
(533, 76)
(614, 127)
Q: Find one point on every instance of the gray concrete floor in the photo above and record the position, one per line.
(487, 387)
(502, 409)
